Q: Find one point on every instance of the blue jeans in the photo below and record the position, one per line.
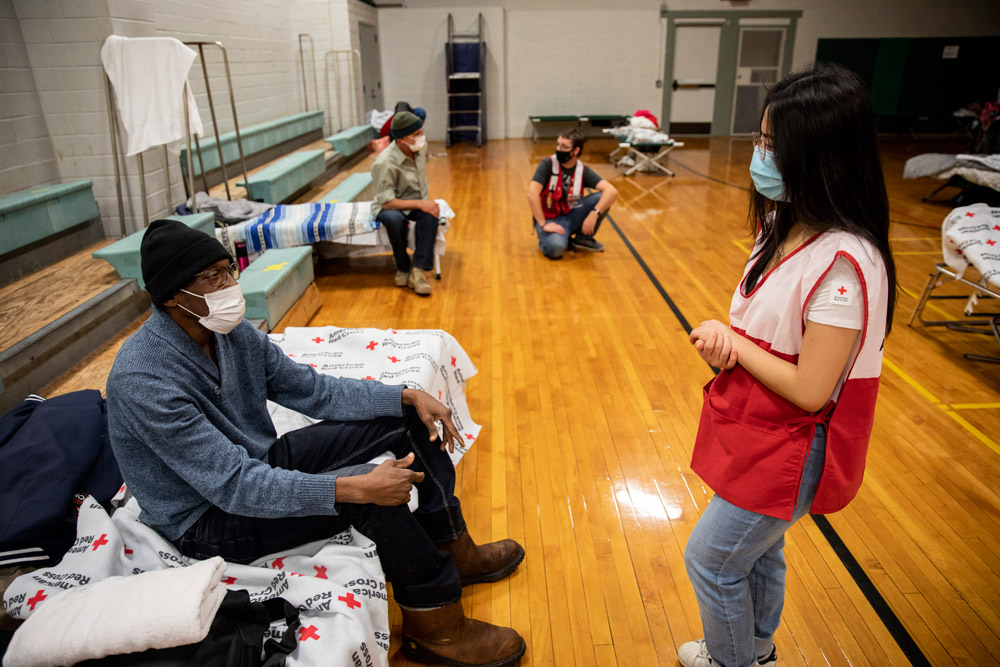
(736, 564)
(397, 227)
(553, 244)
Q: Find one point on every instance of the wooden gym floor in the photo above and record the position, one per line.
(589, 395)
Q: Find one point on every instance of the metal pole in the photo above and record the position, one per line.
(302, 63)
(354, 88)
(312, 56)
(201, 163)
(215, 123)
(142, 189)
(190, 159)
(236, 121)
(166, 170)
(114, 154)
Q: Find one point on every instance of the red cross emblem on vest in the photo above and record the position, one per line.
(308, 633)
(842, 289)
(317, 339)
(371, 345)
(100, 541)
(320, 571)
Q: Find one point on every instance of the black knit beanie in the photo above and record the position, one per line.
(404, 124)
(172, 253)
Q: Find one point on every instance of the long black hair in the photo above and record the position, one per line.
(822, 134)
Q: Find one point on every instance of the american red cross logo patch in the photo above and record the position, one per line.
(841, 295)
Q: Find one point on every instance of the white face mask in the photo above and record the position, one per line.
(225, 309)
(418, 143)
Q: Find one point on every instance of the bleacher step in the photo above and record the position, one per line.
(46, 354)
(274, 282)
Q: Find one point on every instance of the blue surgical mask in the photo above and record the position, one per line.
(766, 177)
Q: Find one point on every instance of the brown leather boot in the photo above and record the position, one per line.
(446, 636)
(480, 564)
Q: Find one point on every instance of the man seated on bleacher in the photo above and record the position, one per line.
(560, 212)
(189, 425)
(399, 180)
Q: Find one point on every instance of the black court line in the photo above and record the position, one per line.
(878, 603)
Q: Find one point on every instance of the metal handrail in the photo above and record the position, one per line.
(353, 62)
(215, 126)
(302, 62)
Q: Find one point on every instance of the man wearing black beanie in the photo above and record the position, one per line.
(188, 421)
(399, 179)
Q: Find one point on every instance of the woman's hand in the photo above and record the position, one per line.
(714, 343)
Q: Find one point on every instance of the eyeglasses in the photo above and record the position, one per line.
(217, 277)
(761, 140)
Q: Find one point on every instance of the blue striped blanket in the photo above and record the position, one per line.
(299, 224)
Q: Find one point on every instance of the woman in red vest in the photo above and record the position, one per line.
(785, 425)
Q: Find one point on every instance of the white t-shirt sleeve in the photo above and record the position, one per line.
(838, 300)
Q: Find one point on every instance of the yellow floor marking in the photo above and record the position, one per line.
(929, 305)
(975, 406)
(933, 399)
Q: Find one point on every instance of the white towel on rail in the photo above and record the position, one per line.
(148, 75)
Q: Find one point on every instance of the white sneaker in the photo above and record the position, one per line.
(695, 654)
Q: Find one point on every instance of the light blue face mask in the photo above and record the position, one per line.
(766, 177)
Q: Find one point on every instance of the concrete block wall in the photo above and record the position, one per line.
(580, 62)
(591, 56)
(413, 62)
(26, 155)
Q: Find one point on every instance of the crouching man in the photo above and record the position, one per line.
(190, 428)
(562, 215)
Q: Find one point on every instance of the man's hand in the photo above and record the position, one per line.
(431, 411)
(590, 223)
(553, 227)
(430, 206)
(713, 341)
(388, 484)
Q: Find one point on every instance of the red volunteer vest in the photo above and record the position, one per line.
(752, 444)
(554, 204)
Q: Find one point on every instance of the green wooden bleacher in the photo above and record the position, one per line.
(255, 139)
(31, 215)
(353, 139)
(274, 282)
(349, 190)
(279, 181)
(123, 255)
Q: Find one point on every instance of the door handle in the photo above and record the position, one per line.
(676, 84)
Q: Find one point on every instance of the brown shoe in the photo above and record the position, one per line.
(481, 564)
(402, 278)
(446, 636)
(418, 282)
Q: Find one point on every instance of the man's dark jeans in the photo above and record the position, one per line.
(422, 576)
(397, 225)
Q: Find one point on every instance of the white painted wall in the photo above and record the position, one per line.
(413, 62)
(582, 56)
(26, 155)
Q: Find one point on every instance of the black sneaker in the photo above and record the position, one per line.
(588, 244)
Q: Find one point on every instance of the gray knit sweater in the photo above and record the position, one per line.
(189, 434)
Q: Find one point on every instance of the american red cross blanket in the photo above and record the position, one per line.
(337, 585)
(427, 359)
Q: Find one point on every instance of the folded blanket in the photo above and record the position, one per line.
(158, 609)
(286, 226)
